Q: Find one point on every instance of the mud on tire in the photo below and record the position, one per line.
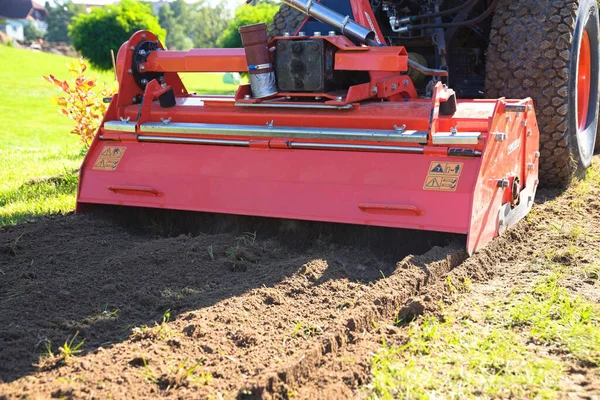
(534, 52)
(287, 19)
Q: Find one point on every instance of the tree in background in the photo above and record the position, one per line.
(106, 28)
(193, 25)
(59, 19)
(32, 32)
(247, 15)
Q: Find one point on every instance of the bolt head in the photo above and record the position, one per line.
(530, 166)
(132, 48)
(143, 36)
(529, 133)
(406, 82)
(142, 67)
(144, 81)
(331, 33)
(503, 183)
(317, 33)
(142, 52)
(301, 33)
(129, 71)
(247, 97)
(339, 98)
(374, 90)
(286, 34)
(394, 86)
(537, 154)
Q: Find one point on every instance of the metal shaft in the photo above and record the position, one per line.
(326, 15)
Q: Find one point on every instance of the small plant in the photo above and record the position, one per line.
(71, 349)
(82, 101)
(301, 329)
(183, 375)
(246, 238)
(159, 331)
(148, 373)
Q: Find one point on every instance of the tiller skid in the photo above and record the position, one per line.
(328, 131)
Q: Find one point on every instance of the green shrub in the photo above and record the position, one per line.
(107, 28)
(246, 15)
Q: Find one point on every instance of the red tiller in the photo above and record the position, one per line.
(373, 153)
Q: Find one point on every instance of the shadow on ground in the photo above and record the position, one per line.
(103, 273)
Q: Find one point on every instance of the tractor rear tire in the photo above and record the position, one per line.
(539, 49)
(287, 19)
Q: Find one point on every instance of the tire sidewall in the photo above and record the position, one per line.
(582, 142)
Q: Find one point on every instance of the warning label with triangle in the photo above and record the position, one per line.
(109, 158)
(443, 176)
(433, 183)
(438, 169)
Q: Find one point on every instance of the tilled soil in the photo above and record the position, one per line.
(222, 315)
(245, 310)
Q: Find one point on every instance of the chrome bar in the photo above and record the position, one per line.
(344, 24)
(364, 147)
(120, 126)
(456, 138)
(169, 139)
(375, 135)
(297, 106)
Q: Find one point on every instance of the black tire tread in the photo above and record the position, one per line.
(287, 19)
(528, 56)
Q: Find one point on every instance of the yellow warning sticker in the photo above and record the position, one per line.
(109, 158)
(443, 176)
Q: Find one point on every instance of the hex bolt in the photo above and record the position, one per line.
(529, 107)
(142, 67)
(144, 81)
(301, 33)
(331, 33)
(374, 90)
(530, 166)
(500, 136)
(503, 183)
(288, 97)
(524, 123)
(286, 34)
(339, 98)
(317, 97)
(247, 97)
(143, 36)
(529, 133)
(142, 52)
(132, 48)
(134, 100)
(537, 154)
(406, 82)
(317, 33)
(129, 71)
(394, 86)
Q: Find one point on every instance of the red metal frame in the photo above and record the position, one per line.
(381, 183)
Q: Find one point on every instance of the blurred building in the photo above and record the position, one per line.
(15, 14)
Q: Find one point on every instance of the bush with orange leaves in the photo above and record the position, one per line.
(82, 101)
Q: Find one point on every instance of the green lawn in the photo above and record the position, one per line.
(38, 156)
